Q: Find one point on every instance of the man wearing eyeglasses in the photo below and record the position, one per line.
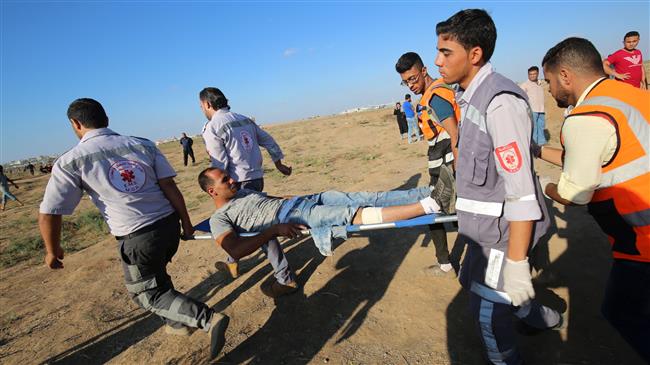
(438, 122)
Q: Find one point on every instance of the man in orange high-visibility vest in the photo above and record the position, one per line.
(605, 164)
(438, 120)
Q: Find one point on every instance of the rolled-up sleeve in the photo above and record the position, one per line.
(510, 126)
(216, 148)
(62, 193)
(589, 142)
(265, 140)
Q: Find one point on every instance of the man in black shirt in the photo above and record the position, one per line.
(187, 148)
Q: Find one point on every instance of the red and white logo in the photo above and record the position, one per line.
(127, 176)
(509, 157)
(246, 140)
(634, 59)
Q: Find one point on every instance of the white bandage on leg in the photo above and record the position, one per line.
(430, 206)
(371, 215)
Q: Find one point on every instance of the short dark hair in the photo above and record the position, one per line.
(407, 61)
(577, 53)
(632, 33)
(206, 181)
(533, 68)
(214, 97)
(471, 28)
(89, 112)
(407, 96)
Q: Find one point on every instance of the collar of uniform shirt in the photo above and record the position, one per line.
(96, 132)
(466, 95)
(587, 91)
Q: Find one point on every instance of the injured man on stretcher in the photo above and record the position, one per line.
(325, 214)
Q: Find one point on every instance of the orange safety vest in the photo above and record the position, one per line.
(621, 204)
(429, 123)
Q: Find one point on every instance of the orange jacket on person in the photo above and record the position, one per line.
(621, 204)
(429, 123)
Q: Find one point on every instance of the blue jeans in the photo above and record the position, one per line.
(538, 128)
(413, 128)
(329, 212)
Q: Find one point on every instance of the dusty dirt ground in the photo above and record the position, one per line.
(371, 303)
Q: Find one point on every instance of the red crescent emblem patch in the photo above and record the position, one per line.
(509, 157)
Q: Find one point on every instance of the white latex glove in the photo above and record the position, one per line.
(544, 181)
(517, 282)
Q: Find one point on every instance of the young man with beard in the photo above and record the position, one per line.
(604, 159)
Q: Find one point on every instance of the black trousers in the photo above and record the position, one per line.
(145, 254)
(188, 152)
(438, 152)
(627, 303)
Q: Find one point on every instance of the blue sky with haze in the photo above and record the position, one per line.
(280, 61)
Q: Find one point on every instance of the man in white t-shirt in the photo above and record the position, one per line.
(535, 90)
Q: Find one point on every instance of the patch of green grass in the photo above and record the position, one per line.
(20, 250)
(93, 221)
(75, 235)
(192, 204)
(370, 156)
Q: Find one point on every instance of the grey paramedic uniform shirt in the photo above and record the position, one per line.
(233, 142)
(248, 211)
(119, 173)
(509, 137)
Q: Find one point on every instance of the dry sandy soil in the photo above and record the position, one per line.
(371, 303)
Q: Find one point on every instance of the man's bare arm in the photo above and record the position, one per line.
(607, 67)
(50, 227)
(451, 126)
(551, 192)
(519, 240)
(169, 188)
(552, 155)
(238, 247)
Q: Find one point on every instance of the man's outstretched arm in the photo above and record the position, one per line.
(50, 226)
(238, 247)
(175, 197)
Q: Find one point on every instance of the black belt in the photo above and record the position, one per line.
(152, 227)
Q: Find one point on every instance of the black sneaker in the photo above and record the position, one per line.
(218, 326)
(444, 191)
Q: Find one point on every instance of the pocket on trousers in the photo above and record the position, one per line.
(489, 230)
(484, 230)
(126, 257)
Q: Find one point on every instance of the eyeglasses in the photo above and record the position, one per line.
(411, 80)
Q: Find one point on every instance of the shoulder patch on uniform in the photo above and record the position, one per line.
(509, 157)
